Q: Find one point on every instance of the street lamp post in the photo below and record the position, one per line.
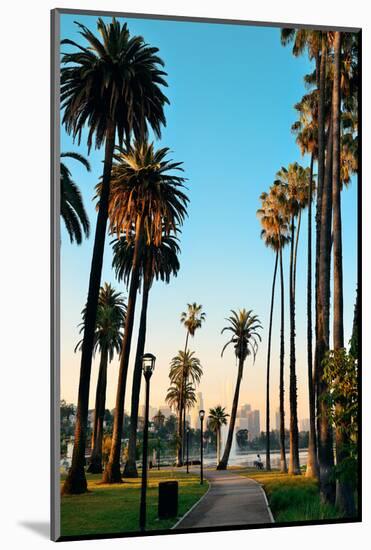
(148, 365)
(202, 416)
(187, 450)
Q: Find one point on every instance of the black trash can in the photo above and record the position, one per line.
(167, 499)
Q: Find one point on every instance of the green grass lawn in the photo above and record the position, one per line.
(292, 498)
(115, 508)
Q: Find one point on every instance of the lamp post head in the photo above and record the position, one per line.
(148, 364)
(201, 414)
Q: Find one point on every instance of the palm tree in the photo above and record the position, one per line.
(217, 419)
(146, 203)
(306, 132)
(192, 319)
(274, 234)
(72, 207)
(112, 86)
(174, 395)
(108, 337)
(294, 182)
(244, 327)
(158, 262)
(185, 366)
(344, 489)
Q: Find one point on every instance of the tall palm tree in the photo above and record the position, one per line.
(294, 182)
(112, 86)
(192, 320)
(344, 489)
(306, 131)
(274, 234)
(158, 262)
(108, 337)
(274, 218)
(146, 203)
(185, 368)
(244, 327)
(217, 419)
(72, 207)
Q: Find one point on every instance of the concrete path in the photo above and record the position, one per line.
(231, 500)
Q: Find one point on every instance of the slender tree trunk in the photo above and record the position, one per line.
(325, 439)
(283, 463)
(312, 465)
(75, 482)
(95, 465)
(321, 171)
(296, 249)
(344, 490)
(222, 465)
(130, 466)
(267, 412)
(112, 472)
(218, 433)
(294, 466)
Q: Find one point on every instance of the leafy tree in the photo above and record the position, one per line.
(192, 319)
(217, 419)
(147, 197)
(108, 337)
(72, 207)
(274, 235)
(244, 327)
(293, 183)
(341, 375)
(112, 87)
(158, 262)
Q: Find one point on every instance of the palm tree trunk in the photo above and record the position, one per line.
(312, 464)
(283, 464)
(344, 489)
(294, 465)
(321, 172)
(268, 457)
(218, 433)
(75, 482)
(325, 439)
(95, 465)
(296, 249)
(112, 472)
(130, 466)
(222, 465)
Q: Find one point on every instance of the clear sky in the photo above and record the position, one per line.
(231, 90)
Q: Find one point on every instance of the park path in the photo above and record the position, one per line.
(231, 500)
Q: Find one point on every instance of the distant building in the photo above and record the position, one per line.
(151, 413)
(304, 425)
(166, 411)
(248, 419)
(253, 424)
(278, 420)
(244, 411)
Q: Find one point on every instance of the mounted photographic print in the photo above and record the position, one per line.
(206, 292)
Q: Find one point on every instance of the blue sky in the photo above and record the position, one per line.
(231, 89)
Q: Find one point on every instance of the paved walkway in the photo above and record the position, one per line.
(231, 500)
